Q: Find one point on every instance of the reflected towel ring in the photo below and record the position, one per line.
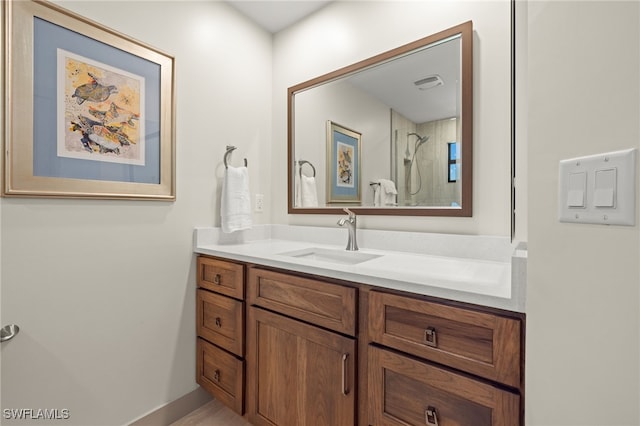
(230, 149)
(303, 162)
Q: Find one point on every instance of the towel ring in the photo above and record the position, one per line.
(230, 149)
(303, 162)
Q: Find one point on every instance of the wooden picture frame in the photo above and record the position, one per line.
(343, 164)
(88, 113)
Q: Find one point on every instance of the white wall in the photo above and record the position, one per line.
(345, 32)
(104, 291)
(583, 325)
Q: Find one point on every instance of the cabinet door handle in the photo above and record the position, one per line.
(217, 279)
(216, 376)
(218, 322)
(431, 416)
(345, 386)
(431, 337)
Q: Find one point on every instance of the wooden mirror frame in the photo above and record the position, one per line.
(465, 30)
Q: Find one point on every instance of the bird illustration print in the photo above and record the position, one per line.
(93, 91)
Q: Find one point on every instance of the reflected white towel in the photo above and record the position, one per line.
(235, 203)
(297, 198)
(384, 194)
(308, 192)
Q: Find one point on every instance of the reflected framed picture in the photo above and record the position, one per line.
(343, 164)
(89, 112)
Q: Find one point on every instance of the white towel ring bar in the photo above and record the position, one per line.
(302, 163)
(230, 148)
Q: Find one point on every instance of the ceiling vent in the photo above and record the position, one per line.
(429, 82)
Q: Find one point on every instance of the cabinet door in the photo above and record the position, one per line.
(406, 392)
(298, 374)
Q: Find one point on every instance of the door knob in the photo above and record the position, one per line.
(8, 332)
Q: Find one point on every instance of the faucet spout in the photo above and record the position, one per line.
(350, 221)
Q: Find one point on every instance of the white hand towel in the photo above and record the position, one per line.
(235, 205)
(308, 191)
(387, 190)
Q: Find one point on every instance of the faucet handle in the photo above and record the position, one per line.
(349, 212)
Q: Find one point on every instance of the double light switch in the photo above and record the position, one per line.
(599, 188)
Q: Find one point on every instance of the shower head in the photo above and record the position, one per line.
(421, 139)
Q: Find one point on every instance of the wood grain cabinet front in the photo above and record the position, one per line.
(221, 276)
(328, 305)
(480, 343)
(404, 391)
(301, 368)
(220, 315)
(298, 374)
(220, 320)
(221, 374)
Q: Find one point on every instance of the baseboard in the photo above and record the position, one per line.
(174, 410)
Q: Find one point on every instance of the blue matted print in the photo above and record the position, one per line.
(108, 116)
(343, 164)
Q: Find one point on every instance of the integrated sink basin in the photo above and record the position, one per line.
(342, 257)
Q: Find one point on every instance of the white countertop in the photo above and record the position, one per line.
(487, 271)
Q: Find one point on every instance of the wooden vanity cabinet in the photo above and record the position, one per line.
(299, 373)
(220, 313)
(323, 352)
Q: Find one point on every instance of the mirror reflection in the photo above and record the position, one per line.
(389, 135)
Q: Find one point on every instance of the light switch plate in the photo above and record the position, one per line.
(608, 185)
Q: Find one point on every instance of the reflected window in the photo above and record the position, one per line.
(453, 161)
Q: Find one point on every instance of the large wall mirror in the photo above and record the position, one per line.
(390, 135)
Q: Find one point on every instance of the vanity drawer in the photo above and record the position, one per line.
(221, 276)
(480, 343)
(404, 391)
(221, 374)
(324, 304)
(219, 319)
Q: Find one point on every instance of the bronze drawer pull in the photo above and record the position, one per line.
(430, 337)
(218, 322)
(217, 279)
(345, 388)
(216, 376)
(431, 416)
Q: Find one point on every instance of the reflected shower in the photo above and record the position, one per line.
(409, 161)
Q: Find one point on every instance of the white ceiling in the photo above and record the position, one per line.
(276, 15)
(392, 85)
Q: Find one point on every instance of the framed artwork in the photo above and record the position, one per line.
(89, 112)
(343, 164)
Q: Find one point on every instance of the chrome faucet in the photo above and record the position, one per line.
(350, 221)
